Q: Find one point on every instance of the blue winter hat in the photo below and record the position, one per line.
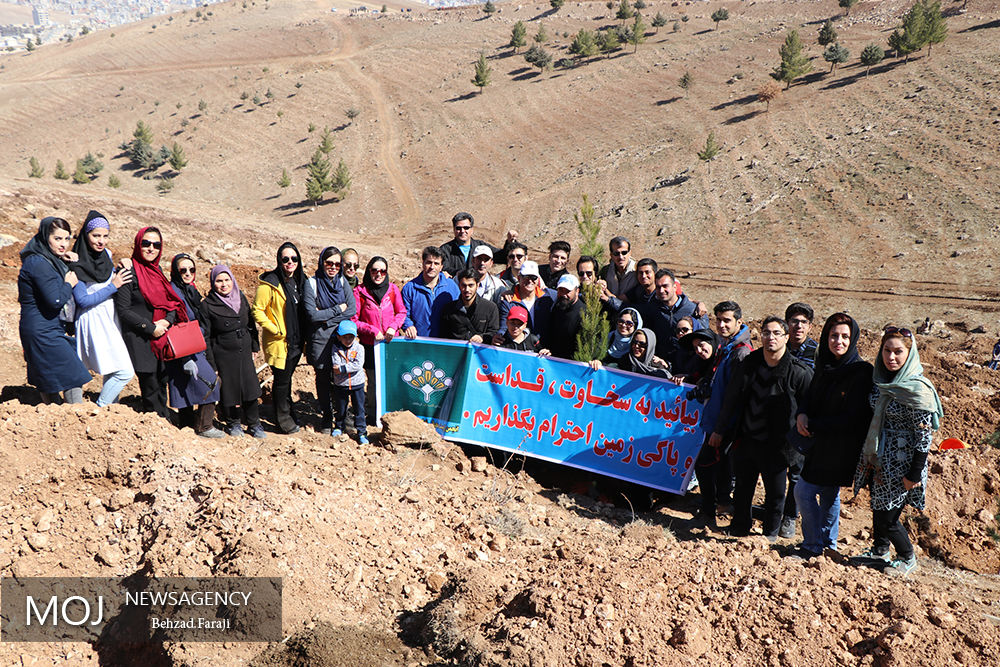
(346, 328)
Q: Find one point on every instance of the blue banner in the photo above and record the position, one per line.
(632, 427)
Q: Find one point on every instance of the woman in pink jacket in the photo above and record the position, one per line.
(380, 314)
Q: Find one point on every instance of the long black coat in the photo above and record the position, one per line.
(232, 339)
(136, 317)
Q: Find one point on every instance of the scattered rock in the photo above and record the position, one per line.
(403, 428)
(119, 499)
(38, 541)
(479, 464)
(942, 618)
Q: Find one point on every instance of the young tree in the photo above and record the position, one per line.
(870, 56)
(314, 190)
(113, 182)
(935, 27)
(638, 33)
(143, 132)
(269, 95)
(711, 149)
(589, 226)
(36, 169)
(836, 54)
(257, 100)
(518, 36)
(846, 5)
(538, 57)
(482, 75)
(326, 141)
(625, 11)
(284, 180)
(319, 171)
(177, 159)
(584, 44)
(676, 27)
(202, 106)
(685, 82)
(341, 182)
(639, 4)
(351, 114)
(914, 33)
(244, 96)
(591, 339)
(608, 42)
(489, 8)
(60, 171)
(768, 92)
(557, 4)
(659, 21)
(165, 185)
(827, 35)
(719, 16)
(542, 35)
(80, 175)
(794, 63)
(91, 165)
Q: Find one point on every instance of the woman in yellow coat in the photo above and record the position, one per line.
(277, 308)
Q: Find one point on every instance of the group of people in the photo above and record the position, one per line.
(806, 417)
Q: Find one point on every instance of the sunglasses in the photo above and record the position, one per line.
(462, 228)
(151, 244)
(332, 264)
(378, 272)
(185, 270)
(683, 330)
(620, 253)
(530, 279)
(585, 274)
(348, 265)
(627, 323)
(891, 330)
(638, 343)
(767, 333)
(519, 255)
(289, 260)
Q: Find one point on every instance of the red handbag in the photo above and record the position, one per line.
(181, 340)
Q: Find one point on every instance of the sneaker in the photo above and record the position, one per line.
(363, 439)
(294, 429)
(212, 433)
(324, 430)
(904, 566)
(257, 431)
(235, 430)
(871, 554)
(336, 433)
(787, 527)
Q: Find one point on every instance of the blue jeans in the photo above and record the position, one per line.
(819, 507)
(341, 397)
(113, 385)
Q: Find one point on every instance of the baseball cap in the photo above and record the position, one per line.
(518, 313)
(483, 250)
(347, 327)
(530, 268)
(569, 281)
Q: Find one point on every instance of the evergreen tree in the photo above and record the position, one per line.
(319, 171)
(847, 4)
(36, 169)
(638, 34)
(677, 26)
(557, 4)
(836, 54)
(326, 141)
(542, 35)
(935, 27)
(518, 36)
(202, 106)
(768, 92)
(685, 82)
(589, 226)
(871, 55)
(163, 156)
(165, 185)
(269, 95)
(314, 190)
(624, 12)
(91, 165)
(827, 35)
(341, 182)
(538, 57)
(489, 8)
(659, 21)
(591, 339)
(584, 44)
(257, 101)
(608, 42)
(143, 132)
(351, 114)
(177, 159)
(60, 171)
(80, 175)
(794, 63)
(113, 182)
(711, 149)
(285, 180)
(914, 31)
(639, 4)
(482, 75)
(719, 16)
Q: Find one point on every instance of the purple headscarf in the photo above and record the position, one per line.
(233, 298)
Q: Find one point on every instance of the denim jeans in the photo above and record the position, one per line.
(341, 397)
(819, 507)
(113, 385)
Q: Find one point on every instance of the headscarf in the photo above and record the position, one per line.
(233, 298)
(91, 266)
(618, 344)
(825, 361)
(644, 365)
(907, 386)
(377, 291)
(189, 292)
(153, 284)
(326, 287)
(39, 245)
(699, 366)
(294, 288)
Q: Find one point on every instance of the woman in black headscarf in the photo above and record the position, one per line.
(45, 292)
(278, 309)
(640, 358)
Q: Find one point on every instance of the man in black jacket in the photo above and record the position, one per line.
(470, 317)
(559, 336)
(458, 252)
(761, 401)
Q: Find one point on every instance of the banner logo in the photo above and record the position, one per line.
(427, 379)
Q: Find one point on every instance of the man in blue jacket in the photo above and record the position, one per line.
(663, 312)
(426, 296)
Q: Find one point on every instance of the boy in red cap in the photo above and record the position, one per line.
(517, 336)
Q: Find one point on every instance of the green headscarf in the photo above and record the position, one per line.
(907, 386)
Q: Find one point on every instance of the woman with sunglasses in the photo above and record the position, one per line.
(620, 339)
(146, 308)
(832, 422)
(893, 461)
(640, 358)
(278, 309)
(193, 395)
(349, 269)
(380, 314)
(329, 300)
(45, 291)
(98, 335)
(684, 360)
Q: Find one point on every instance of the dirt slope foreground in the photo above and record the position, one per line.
(472, 562)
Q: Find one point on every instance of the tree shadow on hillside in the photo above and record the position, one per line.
(743, 117)
(528, 75)
(519, 70)
(302, 206)
(853, 78)
(746, 99)
(704, 32)
(547, 13)
(982, 26)
(462, 98)
(673, 99)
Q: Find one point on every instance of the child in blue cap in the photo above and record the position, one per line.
(348, 376)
